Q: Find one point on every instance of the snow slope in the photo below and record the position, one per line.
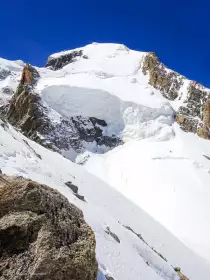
(159, 168)
(169, 180)
(132, 258)
(10, 73)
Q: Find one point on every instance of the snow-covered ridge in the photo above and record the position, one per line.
(107, 61)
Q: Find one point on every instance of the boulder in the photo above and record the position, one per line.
(42, 235)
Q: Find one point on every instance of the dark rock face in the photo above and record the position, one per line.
(61, 61)
(168, 82)
(72, 132)
(75, 189)
(42, 235)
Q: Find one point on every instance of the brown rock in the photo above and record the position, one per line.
(25, 110)
(29, 75)
(168, 82)
(42, 235)
(204, 131)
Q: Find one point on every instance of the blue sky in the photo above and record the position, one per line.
(178, 31)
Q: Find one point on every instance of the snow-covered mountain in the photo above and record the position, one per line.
(124, 128)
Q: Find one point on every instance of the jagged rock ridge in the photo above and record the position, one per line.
(191, 115)
(168, 82)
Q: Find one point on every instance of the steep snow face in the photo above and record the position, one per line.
(10, 73)
(125, 119)
(105, 81)
(169, 180)
(130, 244)
(110, 59)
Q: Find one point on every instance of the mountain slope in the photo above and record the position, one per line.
(131, 257)
(114, 111)
(169, 180)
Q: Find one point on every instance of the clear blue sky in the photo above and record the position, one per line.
(178, 31)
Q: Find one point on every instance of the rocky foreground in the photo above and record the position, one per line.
(42, 235)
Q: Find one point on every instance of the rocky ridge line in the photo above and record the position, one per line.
(194, 114)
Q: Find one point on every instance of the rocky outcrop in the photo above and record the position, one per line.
(161, 78)
(193, 115)
(24, 110)
(75, 189)
(188, 124)
(91, 129)
(56, 63)
(42, 235)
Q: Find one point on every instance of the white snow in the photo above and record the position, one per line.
(15, 66)
(169, 180)
(11, 81)
(159, 169)
(124, 118)
(111, 59)
(131, 258)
